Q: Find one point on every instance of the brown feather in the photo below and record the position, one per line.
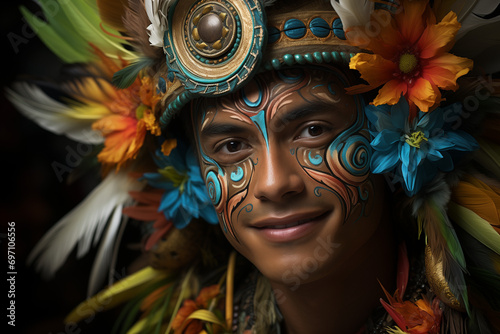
(112, 12)
(136, 21)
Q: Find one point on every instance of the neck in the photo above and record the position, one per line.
(343, 300)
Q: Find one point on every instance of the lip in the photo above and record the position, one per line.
(289, 228)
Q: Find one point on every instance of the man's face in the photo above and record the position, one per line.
(286, 163)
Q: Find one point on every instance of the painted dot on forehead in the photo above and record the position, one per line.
(252, 94)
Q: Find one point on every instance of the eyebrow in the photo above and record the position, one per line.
(215, 129)
(298, 113)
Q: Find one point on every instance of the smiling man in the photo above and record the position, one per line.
(286, 161)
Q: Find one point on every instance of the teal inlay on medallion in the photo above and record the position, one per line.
(295, 28)
(319, 27)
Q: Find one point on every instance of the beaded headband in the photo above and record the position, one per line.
(214, 47)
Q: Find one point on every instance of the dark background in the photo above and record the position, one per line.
(31, 194)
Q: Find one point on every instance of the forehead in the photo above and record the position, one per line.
(281, 94)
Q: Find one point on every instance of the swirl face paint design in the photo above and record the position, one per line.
(294, 113)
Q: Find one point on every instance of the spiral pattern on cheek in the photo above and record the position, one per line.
(214, 188)
(356, 155)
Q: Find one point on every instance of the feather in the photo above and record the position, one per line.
(103, 257)
(83, 224)
(55, 116)
(157, 11)
(482, 199)
(136, 23)
(126, 76)
(353, 13)
(118, 293)
(475, 226)
(478, 37)
(112, 12)
(488, 157)
(69, 52)
(444, 244)
(87, 23)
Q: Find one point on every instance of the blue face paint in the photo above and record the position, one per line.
(260, 121)
(238, 175)
(316, 160)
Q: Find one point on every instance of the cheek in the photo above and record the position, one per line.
(228, 190)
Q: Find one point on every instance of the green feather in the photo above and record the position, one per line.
(450, 236)
(61, 48)
(475, 226)
(126, 76)
(86, 22)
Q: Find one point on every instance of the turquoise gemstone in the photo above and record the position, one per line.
(318, 57)
(299, 59)
(288, 59)
(273, 34)
(338, 29)
(319, 27)
(326, 56)
(276, 64)
(295, 28)
(309, 58)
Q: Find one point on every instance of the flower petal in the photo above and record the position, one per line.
(410, 20)
(383, 162)
(374, 69)
(391, 92)
(444, 70)
(422, 94)
(437, 38)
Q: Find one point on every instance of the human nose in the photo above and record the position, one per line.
(278, 178)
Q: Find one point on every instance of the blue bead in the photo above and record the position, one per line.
(299, 59)
(273, 34)
(309, 58)
(338, 29)
(295, 28)
(326, 56)
(336, 56)
(319, 27)
(318, 57)
(276, 64)
(288, 59)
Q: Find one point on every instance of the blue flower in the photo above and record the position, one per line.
(185, 194)
(415, 152)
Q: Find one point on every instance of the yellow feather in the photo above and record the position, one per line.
(116, 294)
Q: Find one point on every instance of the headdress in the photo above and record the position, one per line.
(433, 118)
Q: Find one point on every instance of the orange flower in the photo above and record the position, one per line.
(131, 116)
(181, 323)
(410, 57)
(414, 318)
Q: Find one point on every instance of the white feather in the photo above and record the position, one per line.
(102, 260)
(53, 115)
(469, 12)
(84, 223)
(157, 11)
(353, 13)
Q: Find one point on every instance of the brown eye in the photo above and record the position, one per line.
(311, 131)
(314, 130)
(233, 146)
